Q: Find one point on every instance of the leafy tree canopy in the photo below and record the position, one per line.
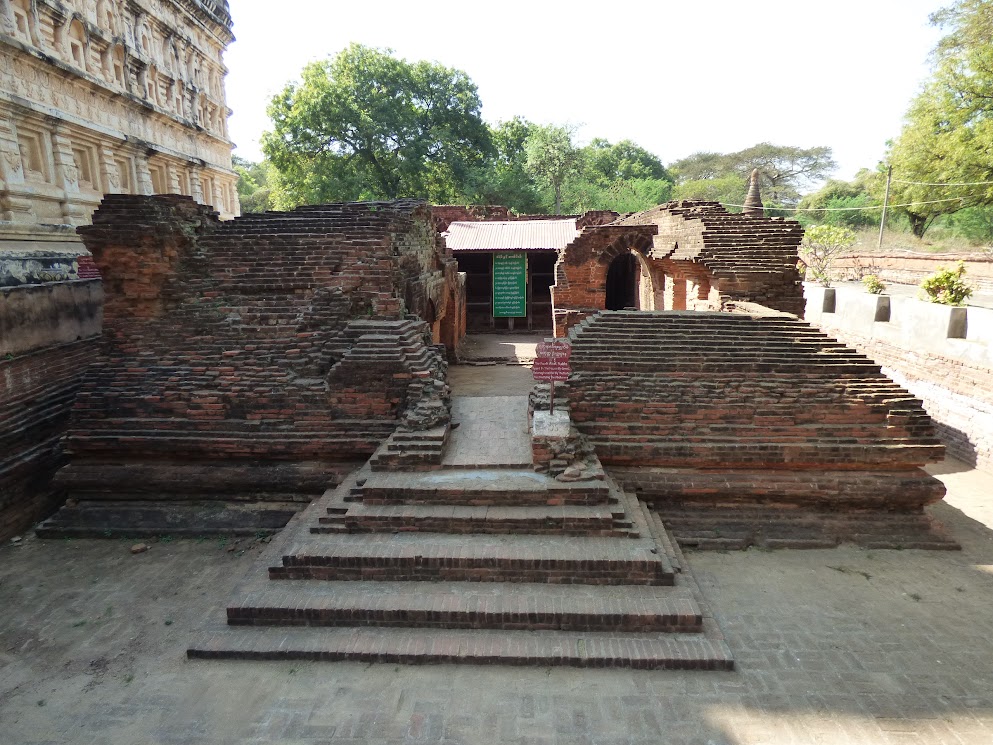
(948, 133)
(504, 178)
(784, 170)
(366, 125)
(552, 157)
(254, 192)
(837, 202)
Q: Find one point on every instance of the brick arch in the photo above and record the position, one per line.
(580, 288)
(636, 243)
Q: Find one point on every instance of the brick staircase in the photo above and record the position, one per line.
(759, 428)
(494, 564)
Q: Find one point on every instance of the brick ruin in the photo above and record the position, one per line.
(685, 255)
(755, 428)
(248, 364)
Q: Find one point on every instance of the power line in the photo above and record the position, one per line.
(928, 183)
(850, 209)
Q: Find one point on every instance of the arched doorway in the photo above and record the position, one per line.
(622, 282)
(629, 283)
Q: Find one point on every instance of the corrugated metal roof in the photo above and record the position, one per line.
(512, 235)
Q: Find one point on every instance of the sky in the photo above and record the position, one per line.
(674, 76)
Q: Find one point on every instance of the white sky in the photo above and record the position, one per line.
(675, 76)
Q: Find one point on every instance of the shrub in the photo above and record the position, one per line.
(947, 286)
(873, 284)
(821, 243)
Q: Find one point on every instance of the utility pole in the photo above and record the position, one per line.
(886, 199)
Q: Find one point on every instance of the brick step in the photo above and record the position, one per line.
(486, 558)
(472, 605)
(560, 520)
(473, 647)
(721, 529)
(511, 487)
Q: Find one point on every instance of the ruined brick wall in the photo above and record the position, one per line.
(695, 255)
(718, 406)
(942, 354)
(910, 269)
(580, 288)
(221, 342)
(749, 258)
(48, 337)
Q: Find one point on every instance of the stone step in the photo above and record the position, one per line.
(489, 486)
(541, 519)
(472, 605)
(469, 646)
(486, 558)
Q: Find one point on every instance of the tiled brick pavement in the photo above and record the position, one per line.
(92, 643)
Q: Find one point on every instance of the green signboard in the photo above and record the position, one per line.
(510, 285)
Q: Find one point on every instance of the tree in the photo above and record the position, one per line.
(606, 163)
(552, 157)
(839, 202)
(621, 176)
(949, 127)
(504, 177)
(784, 170)
(821, 245)
(254, 193)
(366, 125)
(728, 189)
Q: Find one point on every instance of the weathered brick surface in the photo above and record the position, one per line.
(714, 410)
(36, 392)
(48, 336)
(957, 393)
(909, 269)
(695, 256)
(271, 339)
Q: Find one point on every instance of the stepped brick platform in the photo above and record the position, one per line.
(754, 429)
(272, 353)
(404, 567)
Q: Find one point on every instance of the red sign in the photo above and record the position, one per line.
(552, 361)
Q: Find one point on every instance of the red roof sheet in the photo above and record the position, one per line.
(511, 235)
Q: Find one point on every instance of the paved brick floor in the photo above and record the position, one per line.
(835, 646)
(493, 431)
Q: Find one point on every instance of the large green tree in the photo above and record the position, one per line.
(504, 177)
(784, 170)
(620, 176)
(948, 135)
(366, 125)
(552, 158)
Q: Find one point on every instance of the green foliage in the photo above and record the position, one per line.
(948, 133)
(366, 125)
(833, 203)
(623, 177)
(254, 193)
(873, 284)
(784, 170)
(504, 178)
(947, 286)
(821, 244)
(552, 157)
(729, 189)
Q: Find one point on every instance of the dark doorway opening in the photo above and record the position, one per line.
(622, 282)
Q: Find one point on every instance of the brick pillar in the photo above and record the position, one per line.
(196, 185)
(172, 174)
(67, 177)
(14, 207)
(109, 174)
(144, 185)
